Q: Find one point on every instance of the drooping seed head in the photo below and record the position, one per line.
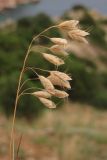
(53, 59)
(60, 94)
(61, 75)
(59, 41)
(48, 103)
(78, 32)
(59, 82)
(78, 35)
(47, 84)
(58, 50)
(68, 25)
(42, 94)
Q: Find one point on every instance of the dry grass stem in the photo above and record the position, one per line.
(56, 78)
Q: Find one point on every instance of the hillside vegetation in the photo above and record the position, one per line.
(76, 132)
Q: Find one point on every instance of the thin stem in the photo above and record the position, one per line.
(25, 94)
(40, 46)
(16, 102)
(20, 140)
(28, 89)
(44, 70)
(27, 81)
(45, 36)
(12, 156)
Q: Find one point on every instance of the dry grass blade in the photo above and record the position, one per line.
(53, 59)
(59, 82)
(61, 75)
(48, 103)
(59, 41)
(47, 84)
(68, 25)
(43, 94)
(58, 50)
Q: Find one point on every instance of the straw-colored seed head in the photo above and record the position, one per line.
(59, 41)
(61, 75)
(48, 103)
(79, 39)
(59, 50)
(43, 94)
(78, 35)
(60, 94)
(53, 59)
(78, 32)
(59, 82)
(47, 84)
(68, 25)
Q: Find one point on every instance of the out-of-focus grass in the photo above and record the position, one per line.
(76, 132)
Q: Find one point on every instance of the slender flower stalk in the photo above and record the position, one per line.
(12, 155)
(55, 78)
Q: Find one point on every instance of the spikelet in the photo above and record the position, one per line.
(60, 94)
(53, 59)
(61, 75)
(59, 41)
(78, 32)
(47, 84)
(59, 82)
(78, 35)
(68, 25)
(48, 103)
(57, 49)
(43, 94)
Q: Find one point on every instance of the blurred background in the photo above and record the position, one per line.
(77, 129)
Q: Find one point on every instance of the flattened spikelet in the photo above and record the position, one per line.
(59, 82)
(60, 94)
(47, 84)
(59, 41)
(43, 94)
(48, 103)
(68, 25)
(61, 75)
(78, 36)
(53, 59)
(58, 50)
(79, 32)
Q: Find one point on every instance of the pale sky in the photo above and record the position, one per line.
(54, 5)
